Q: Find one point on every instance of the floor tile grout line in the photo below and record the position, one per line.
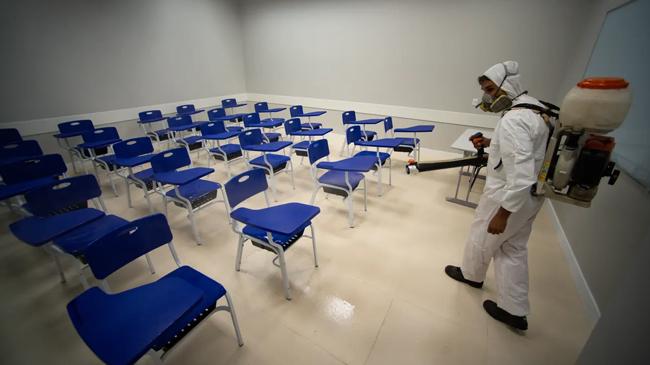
(372, 348)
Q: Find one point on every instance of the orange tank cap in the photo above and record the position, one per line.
(603, 83)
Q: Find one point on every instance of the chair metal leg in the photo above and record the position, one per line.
(150, 264)
(313, 243)
(110, 180)
(240, 250)
(82, 277)
(146, 196)
(313, 195)
(348, 201)
(195, 232)
(381, 190)
(57, 262)
(128, 192)
(235, 323)
(390, 171)
(285, 276)
(174, 254)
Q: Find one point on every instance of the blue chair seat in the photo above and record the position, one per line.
(109, 160)
(409, 141)
(231, 150)
(337, 178)
(195, 190)
(308, 126)
(272, 136)
(146, 176)
(303, 145)
(277, 162)
(383, 156)
(368, 135)
(192, 139)
(75, 241)
(283, 240)
(211, 292)
(11, 190)
(162, 134)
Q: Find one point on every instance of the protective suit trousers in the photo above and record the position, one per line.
(508, 249)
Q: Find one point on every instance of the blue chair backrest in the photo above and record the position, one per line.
(292, 125)
(353, 134)
(349, 116)
(251, 137)
(251, 119)
(9, 135)
(133, 147)
(101, 134)
(179, 121)
(125, 244)
(20, 149)
(262, 107)
(388, 124)
(63, 194)
(295, 111)
(317, 150)
(170, 160)
(75, 126)
(33, 168)
(185, 108)
(228, 103)
(214, 127)
(149, 115)
(245, 185)
(216, 113)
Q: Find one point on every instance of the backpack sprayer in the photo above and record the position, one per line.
(578, 153)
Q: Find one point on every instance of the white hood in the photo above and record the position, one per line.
(512, 84)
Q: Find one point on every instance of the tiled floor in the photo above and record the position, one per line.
(379, 296)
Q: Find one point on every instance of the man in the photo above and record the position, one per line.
(505, 213)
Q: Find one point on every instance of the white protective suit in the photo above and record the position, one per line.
(519, 143)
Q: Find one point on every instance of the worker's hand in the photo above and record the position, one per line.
(499, 222)
(480, 142)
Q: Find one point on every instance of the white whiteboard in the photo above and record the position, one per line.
(623, 49)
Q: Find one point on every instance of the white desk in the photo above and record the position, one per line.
(462, 143)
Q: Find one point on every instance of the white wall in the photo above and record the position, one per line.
(66, 57)
(424, 54)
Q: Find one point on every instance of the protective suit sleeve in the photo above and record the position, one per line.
(518, 162)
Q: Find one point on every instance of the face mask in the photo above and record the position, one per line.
(497, 104)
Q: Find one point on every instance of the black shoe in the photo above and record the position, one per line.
(501, 315)
(456, 273)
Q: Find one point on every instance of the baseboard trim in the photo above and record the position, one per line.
(49, 125)
(581, 283)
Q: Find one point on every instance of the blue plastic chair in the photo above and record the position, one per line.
(218, 143)
(153, 318)
(134, 153)
(409, 145)
(22, 176)
(97, 148)
(252, 121)
(296, 111)
(263, 107)
(353, 136)
(272, 163)
(219, 114)
(147, 119)
(342, 181)
(67, 132)
(231, 104)
(183, 132)
(187, 109)
(291, 126)
(188, 190)
(275, 228)
(62, 222)
(9, 136)
(16, 151)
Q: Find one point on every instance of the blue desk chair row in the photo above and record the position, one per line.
(296, 111)
(147, 119)
(408, 145)
(120, 328)
(253, 121)
(293, 128)
(133, 154)
(97, 149)
(275, 228)
(354, 137)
